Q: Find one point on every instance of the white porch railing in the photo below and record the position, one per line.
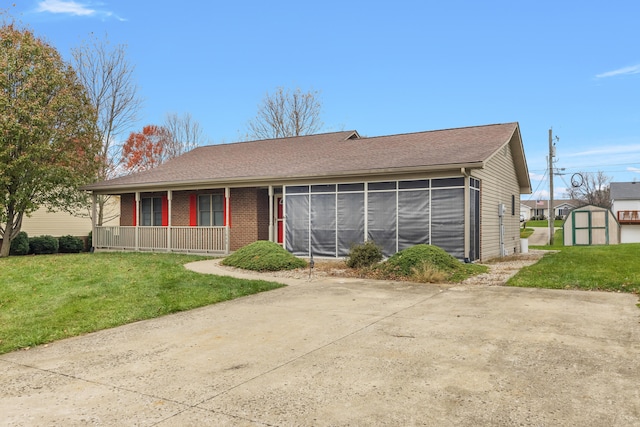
(182, 239)
(198, 239)
(113, 237)
(152, 238)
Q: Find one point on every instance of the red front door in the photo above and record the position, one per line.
(280, 219)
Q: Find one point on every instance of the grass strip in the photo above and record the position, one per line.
(606, 268)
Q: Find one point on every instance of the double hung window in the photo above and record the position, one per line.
(151, 212)
(210, 210)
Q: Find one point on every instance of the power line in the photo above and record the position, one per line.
(542, 181)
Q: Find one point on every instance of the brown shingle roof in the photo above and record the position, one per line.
(329, 154)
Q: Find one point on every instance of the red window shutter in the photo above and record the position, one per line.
(165, 211)
(193, 210)
(135, 214)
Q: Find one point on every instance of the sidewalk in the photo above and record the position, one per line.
(540, 236)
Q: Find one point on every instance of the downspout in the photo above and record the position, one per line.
(467, 214)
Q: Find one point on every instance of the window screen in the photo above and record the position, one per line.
(323, 224)
(350, 221)
(447, 220)
(413, 218)
(297, 224)
(381, 220)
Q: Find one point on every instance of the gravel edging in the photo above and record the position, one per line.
(500, 270)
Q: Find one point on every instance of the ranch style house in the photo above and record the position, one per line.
(458, 189)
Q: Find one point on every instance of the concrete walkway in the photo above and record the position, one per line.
(337, 352)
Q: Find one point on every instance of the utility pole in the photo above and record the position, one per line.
(551, 213)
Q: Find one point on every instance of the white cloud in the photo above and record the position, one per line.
(634, 170)
(70, 7)
(634, 69)
(607, 150)
(536, 176)
(67, 7)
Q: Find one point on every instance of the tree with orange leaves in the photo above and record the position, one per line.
(147, 149)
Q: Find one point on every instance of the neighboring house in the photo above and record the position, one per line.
(537, 209)
(590, 225)
(625, 204)
(320, 194)
(56, 224)
(60, 223)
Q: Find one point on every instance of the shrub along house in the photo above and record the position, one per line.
(319, 194)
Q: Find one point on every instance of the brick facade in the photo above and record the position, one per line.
(245, 211)
(263, 214)
(180, 208)
(127, 204)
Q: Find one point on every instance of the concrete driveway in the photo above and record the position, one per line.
(336, 352)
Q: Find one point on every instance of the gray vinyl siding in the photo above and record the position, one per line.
(498, 185)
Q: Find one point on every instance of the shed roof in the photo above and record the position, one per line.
(330, 155)
(625, 190)
(533, 204)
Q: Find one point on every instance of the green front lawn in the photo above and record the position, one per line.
(544, 223)
(49, 297)
(607, 268)
(558, 241)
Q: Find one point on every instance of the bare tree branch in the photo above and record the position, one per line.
(287, 113)
(186, 134)
(594, 189)
(109, 80)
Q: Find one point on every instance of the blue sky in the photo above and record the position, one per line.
(386, 67)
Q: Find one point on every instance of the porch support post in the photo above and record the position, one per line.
(271, 239)
(227, 230)
(169, 199)
(94, 212)
(137, 229)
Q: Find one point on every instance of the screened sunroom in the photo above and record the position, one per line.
(327, 219)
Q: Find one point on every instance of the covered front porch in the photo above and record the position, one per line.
(196, 221)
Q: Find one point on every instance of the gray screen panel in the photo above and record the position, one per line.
(323, 225)
(447, 220)
(381, 221)
(413, 218)
(350, 221)
(297, 224)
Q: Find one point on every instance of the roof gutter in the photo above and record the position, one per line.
(249, 181)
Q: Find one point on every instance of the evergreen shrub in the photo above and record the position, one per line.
(41, 245)
(70, 245)
(20, 245)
